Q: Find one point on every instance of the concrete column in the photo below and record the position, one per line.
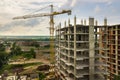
(65, 24)
(91, 48)
(105, 44)
(68, 44)
(100, 40)
(68, 21)
(69, 41)
(59, 43)
(96, 37)
(81, 22)
(57, 32)
(105, 22)
(96, 34)
(96, 22)
(84, 22)
(75, 47)
(65, 31)
(116, 49)
(66, 41)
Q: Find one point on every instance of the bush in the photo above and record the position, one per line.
(41, 76)
(117, 77)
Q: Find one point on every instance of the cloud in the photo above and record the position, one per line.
(73, 3)
(12, 8)
(41, 3)
(28, 27)
(25, 23)
(97, 1)
(97, 9)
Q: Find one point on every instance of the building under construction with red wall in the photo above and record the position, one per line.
(114, 51)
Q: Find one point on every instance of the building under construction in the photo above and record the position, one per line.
(81, 51)
(114, 51)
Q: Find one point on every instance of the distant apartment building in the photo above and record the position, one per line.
(79, 52)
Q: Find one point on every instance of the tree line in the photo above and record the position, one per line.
(15, 50)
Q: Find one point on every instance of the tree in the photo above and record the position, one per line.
(3, 55)
(27, 55)
(18, 50)
(41, 76)
(15, 50)
(2, 47)
(117, 77)
(32, 52)
(3, 58)
(36, 44)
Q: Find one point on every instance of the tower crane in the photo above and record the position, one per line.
(51, 14)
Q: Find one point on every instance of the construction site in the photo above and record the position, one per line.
(80, 51)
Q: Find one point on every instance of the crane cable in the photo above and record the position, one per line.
(38, 10)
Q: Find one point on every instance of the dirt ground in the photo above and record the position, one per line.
(44, 61)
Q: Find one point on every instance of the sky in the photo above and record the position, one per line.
(82, 9)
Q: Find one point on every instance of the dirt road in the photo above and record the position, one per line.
(31, 61)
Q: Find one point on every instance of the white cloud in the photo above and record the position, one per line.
(97, 1)
(97, 9)
(73, 3)
(26, 30)
(12, 8)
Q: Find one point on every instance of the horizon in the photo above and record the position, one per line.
(24, 35)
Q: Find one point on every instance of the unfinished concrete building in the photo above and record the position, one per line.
(114, 51)
(79, 54)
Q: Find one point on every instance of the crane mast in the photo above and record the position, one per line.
(52, 36)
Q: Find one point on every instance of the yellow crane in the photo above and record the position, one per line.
(51, 14)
